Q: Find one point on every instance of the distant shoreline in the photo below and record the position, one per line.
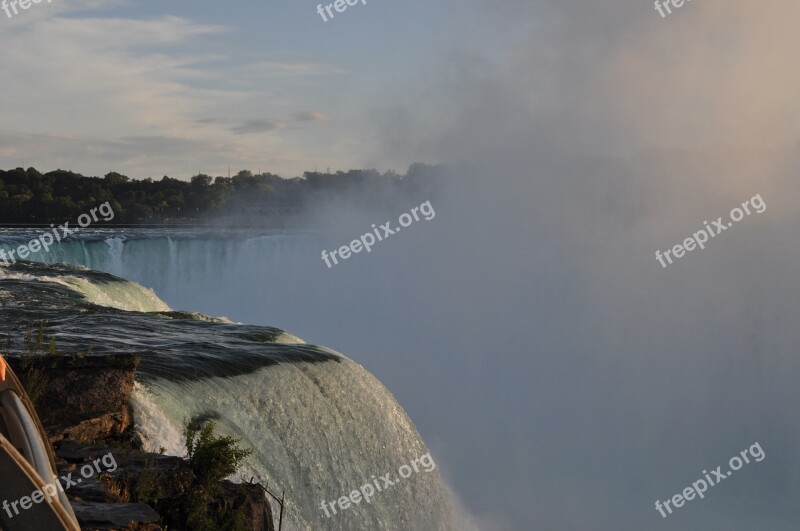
(109, 225)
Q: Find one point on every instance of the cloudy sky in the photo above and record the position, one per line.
(561, 377)
(150, 88)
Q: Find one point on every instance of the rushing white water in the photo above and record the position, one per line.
(319, 429)
(183, 270)
(244, 276)
(113, 292)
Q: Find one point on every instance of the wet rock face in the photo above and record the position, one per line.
(81, 398)
(109, 426)
(128, 516)
(250, 499)
(166, 483)
(83, 403)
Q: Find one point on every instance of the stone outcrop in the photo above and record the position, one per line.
(80, 398)
(83, 403)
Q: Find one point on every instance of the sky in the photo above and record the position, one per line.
(562, 378)
(151, 88)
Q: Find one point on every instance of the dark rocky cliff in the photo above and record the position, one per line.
(83, 403)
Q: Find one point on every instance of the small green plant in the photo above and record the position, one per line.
(34, 344)
(35, 384)
(212, 458)
(197, 500)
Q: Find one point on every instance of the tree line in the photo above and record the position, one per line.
(28, 196)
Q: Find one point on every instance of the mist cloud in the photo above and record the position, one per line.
(568, 380)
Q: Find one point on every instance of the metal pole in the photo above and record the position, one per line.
(280, 518)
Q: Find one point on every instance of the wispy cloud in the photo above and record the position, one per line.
(85, 91)
(258, 126)
(310, 116)
(271, 68)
